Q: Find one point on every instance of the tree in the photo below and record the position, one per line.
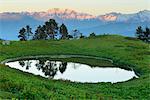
(92, 35)
(147, 34)
(22, 35)
(28, 32)
(25, 33)
(76, 34)
(82, 36)
(51, 28)
(143, 35)
(63, 31)
(40, 34)
(139, 33)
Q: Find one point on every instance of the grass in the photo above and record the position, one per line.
(125, 52)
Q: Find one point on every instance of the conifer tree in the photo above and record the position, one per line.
(63, 31)
(22, 35)
(51, 28)
(40, 34)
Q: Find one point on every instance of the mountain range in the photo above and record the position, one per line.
(110, 23)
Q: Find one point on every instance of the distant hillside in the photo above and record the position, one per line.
(112, 23)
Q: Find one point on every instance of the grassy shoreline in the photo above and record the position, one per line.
(123, 51)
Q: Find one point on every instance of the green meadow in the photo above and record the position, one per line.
(125, 52)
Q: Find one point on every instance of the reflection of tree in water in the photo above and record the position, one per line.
(40, 63)
(63, 67)
(22, 63)
(49, 68)
(26, 64)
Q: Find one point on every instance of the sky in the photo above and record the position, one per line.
(94, 7)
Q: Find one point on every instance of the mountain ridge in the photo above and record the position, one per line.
(72, 14)
(112, 23)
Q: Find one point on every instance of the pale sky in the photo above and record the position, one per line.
(94, 7)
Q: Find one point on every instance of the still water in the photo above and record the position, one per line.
(74, 72)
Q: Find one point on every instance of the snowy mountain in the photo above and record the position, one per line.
(71, 14)
(51, 13)
(112, 23)
(142, 16)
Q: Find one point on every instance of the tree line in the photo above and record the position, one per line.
(50, 30)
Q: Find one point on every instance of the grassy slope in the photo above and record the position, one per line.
(123, 51)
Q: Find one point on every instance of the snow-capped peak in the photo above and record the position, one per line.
(68, 14)
(65, 14)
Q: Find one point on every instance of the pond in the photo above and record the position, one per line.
(75, 72)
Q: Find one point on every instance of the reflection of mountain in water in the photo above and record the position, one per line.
(49, 68)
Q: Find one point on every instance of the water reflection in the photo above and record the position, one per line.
(49, 68)
(63, 67)
(72, 71)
